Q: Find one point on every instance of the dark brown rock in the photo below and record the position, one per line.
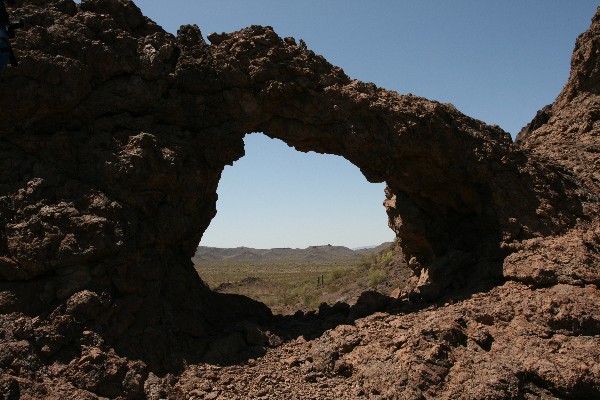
(113, 137)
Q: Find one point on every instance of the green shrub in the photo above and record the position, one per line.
(386, 258)
(367, 262)
(376, 276)
(337, 274)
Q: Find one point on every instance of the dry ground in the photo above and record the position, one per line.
(287, 287)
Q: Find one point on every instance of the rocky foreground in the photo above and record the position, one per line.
(113, 137)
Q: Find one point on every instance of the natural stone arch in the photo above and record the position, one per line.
(113, 141)
(444, 170)
(452, 180)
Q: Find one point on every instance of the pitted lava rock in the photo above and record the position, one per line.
(113, 137)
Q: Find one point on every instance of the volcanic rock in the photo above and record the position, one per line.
(113, 137)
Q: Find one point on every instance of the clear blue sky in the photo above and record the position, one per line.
(498, 61)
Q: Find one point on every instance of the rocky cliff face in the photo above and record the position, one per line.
(113, 137)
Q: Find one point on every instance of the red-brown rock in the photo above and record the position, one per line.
(113, 137)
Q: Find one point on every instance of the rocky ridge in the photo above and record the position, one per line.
(113, 137)
(285, 254)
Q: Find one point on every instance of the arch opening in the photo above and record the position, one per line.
(296, 229)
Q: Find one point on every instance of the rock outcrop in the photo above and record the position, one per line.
(113, 137)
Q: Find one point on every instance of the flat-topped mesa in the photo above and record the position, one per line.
(114, 134)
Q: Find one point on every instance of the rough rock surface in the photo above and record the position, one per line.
(113, 137)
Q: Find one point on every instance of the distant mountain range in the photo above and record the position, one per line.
(365, 247)
(325, 253)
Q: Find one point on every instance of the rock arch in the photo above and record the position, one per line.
(447, 174)
(113, 139)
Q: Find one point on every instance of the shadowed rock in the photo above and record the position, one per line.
(113, 137)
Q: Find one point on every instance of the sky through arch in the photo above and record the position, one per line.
(276, 196)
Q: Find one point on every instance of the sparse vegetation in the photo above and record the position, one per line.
(376, 276)
(386, 257)
(288, 286)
